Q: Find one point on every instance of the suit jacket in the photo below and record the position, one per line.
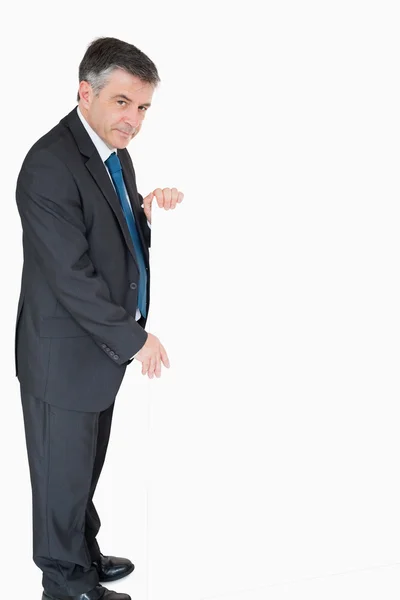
(75, 329)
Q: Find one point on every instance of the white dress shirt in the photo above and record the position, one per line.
(104, 152)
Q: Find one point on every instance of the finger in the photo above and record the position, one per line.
(167, 198)
(158, 367)
(174, 197)
(180, 197)
(164, 356)
(151, 368)
(147, 202)
(145, 366)
(158, 193)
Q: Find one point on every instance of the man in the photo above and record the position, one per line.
(83, 308)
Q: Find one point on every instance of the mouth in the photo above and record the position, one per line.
(123, 133)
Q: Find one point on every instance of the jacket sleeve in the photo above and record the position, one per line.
(52, 219)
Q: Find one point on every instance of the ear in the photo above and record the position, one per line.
(85, 93)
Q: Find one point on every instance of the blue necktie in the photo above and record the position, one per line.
(114, 166)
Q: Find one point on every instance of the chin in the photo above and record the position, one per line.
(121, 141)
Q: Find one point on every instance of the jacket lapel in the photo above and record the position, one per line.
(130, 179)
(98, 171)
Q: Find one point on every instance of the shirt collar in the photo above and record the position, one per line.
(101, 146)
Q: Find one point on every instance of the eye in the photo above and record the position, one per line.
(124, 102)
(144, 107)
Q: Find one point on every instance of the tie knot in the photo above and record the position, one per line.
(113, 163)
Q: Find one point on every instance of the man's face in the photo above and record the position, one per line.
(117, 113)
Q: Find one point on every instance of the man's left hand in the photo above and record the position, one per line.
(166, 198)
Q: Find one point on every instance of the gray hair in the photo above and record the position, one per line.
(106, 54)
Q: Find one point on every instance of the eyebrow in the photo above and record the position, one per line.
(129, 100)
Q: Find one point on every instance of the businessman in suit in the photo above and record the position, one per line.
(83, 306)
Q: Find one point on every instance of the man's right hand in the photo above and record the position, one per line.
(151, 355)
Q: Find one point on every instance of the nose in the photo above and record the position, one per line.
(133, 118)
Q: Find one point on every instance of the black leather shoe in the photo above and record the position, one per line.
(111, 568)
(97, 593)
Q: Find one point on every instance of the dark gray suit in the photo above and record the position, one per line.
(75, 334)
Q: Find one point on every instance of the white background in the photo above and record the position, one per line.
(265, 462)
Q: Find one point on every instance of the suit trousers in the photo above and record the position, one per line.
(66, 451)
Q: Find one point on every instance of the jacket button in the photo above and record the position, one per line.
(103, 346)
(133, 286)
(115, 357)
(112, 353)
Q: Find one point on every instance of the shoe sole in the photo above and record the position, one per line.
(116, 577)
